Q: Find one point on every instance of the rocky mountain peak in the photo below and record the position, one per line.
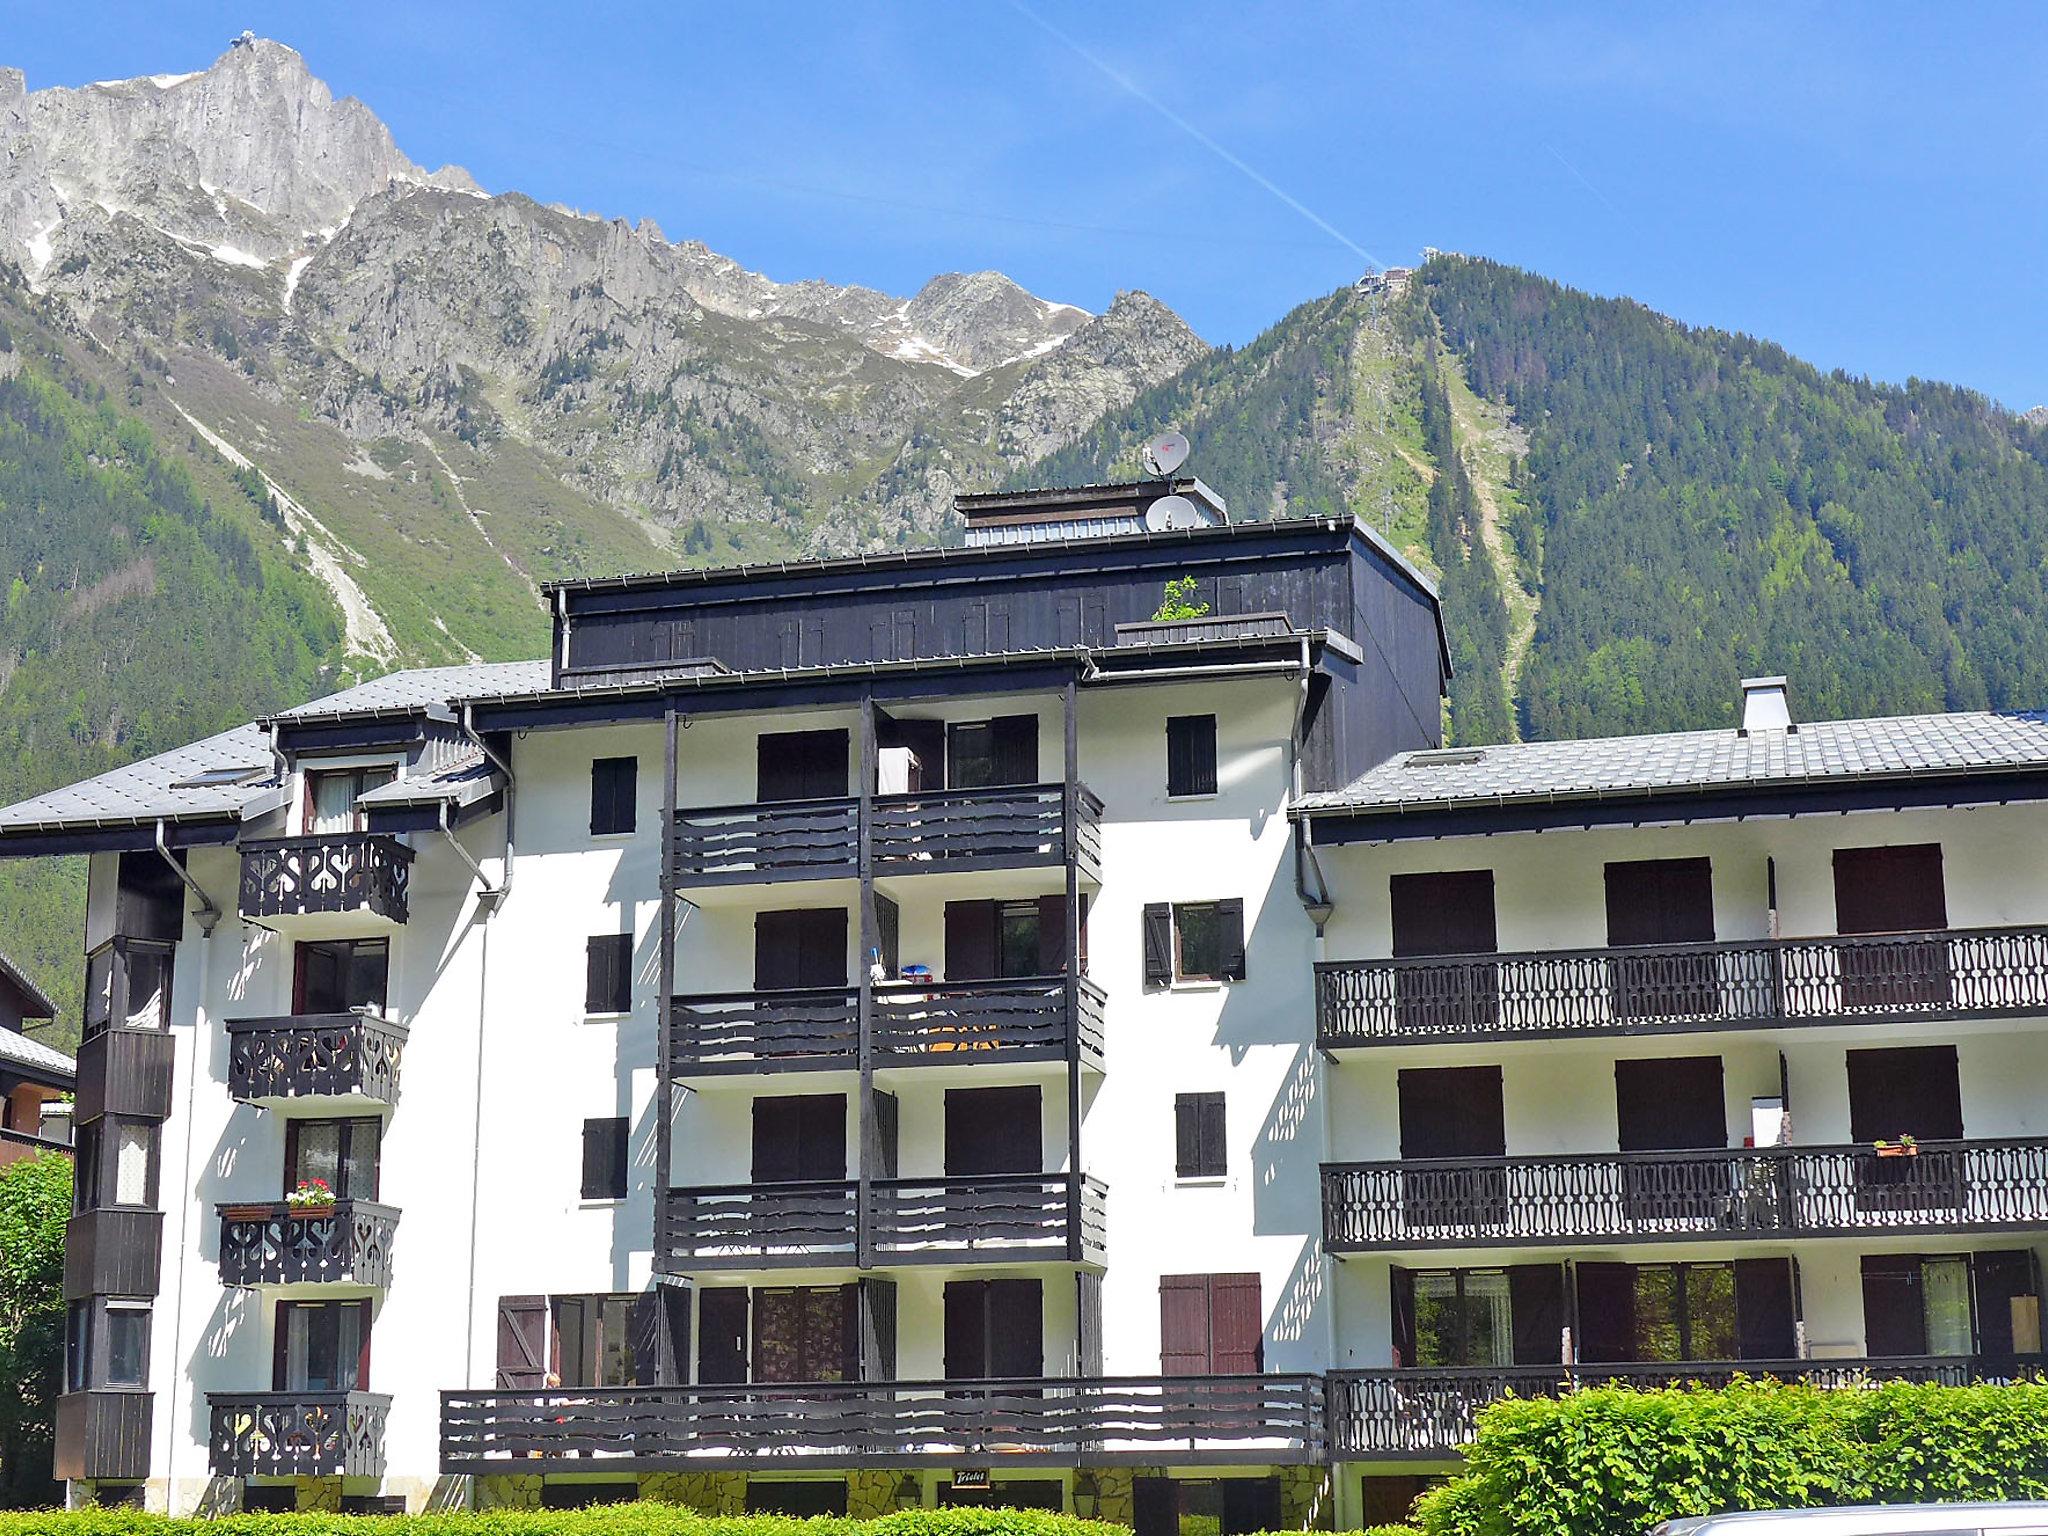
(982, 319)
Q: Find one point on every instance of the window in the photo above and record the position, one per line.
(798, 1500)
(116, 1164)
(127, 1340)
(342, 1154)
(1191, 755)
(614, 788)
(134, 1163)
(331, 795)
(594, 1339)
(322, 1346)
(1198, 1136)
(608, 986)
(78, 1346)
(987, 754)
(604, 1159)
(988, 940)
(1194, 941)
(1950, 1304)
(339, 975)
(1463, 1318)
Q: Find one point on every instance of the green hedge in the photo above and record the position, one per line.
(643, 1519)
(1612, 1461)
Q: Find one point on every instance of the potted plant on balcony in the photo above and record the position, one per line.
(311, 1198)
(1905, 1146)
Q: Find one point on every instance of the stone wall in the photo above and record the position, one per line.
(708, 1493)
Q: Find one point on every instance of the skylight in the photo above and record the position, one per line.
(215, 778)
(1447, 757)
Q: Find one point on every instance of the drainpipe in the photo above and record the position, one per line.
(490, 894)
(504, 886)
(1316, 904)
(208, 914)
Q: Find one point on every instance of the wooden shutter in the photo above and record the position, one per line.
(604, 1159)
(888, 1118)
(1998, 1278)
(776, 1154)
(362, 1311)
(1087, 1323)
(643, 1340)
(1660, 901)
(608, 977)
(1446, 912)
(775, 950)
(994, 1130)
(1402, 1309)
(522, 1343)
(1451, 1112)
(966, 1330)
(970, 940)
(1894, 1306)
(888, 932)
(1199, 1136)
(1183, 1325)
(1765, 1327)
(614, 787)
(1013, 749)
(821, 947)
(280, 1347)
(1607, 1312)
(1237, 1327)
(1155, 1507)
(1052, 935)
(876, 1358)
(1191, 755)
(1912, 1090)
(1536, 1306)
(1016, 1329)
(1670, 1103)
(722, 1335)
(1230, 938)
(673, 1363)
(1889, 890)
(800, 765)
(821, 1135)
(1158, 943)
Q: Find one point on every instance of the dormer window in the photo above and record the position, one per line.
(331, 795)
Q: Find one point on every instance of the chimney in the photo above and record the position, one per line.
(1765, 707)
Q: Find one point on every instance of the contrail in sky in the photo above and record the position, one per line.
(1200, 137)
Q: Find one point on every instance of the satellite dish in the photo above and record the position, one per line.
(1164, 454)
(1174, 512)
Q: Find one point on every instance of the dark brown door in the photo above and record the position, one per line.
(802, 948)
(1606, 1312)
(1908, 1091)
(1661, 902)
(522, 1343)
(1766, 1321)
(1536, 1312)
(1892, 891)
(993, 1131)
(1445, 913)
(801, 765)
(994, 1330)
(1211, 1325)
(1894, 1306)
(722, 1334)
(1452, 1113)
(799, 1136)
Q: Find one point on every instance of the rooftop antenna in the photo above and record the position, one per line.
(1164, 454)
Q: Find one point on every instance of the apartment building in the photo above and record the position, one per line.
(920, 1029)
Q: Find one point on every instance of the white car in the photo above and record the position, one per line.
(1987, 1519)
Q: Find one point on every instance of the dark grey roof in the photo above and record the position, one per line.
(34, 1056)
(1612, 767)
(422, 687)
(463, 780)
(35, 1002)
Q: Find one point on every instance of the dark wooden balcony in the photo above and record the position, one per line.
(938, 1023)
(124, 1071)
(296, 1434)
(348, 1242)
(955, 829)
(321, 1055)
(991, 1218)
(103, 1434)
(1427, 1413)
(113, 1251)
(1974, 973)
(325, 873)
(1144, 1420)
(1769, 1192)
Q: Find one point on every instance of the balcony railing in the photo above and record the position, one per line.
(296, 1434)
(989, 1218)
(272, 1244)
(942, 829)
(1429, 1412)
(1139, 1419)
(1973, 973)
(1947, 1186)
(352, 1055)
(325, 872)
(949, 1023)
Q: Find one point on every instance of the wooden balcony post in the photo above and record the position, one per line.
(665, 986)
(870, 1142)
(1070, 831)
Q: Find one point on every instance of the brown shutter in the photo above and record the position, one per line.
(1670, 1103)
(1913, 1090)
(970, 940)
(1536, 1306)
(776, 1130)
(1999, 1278)
(1660, 901)
(888, 1117)
(1451, 1112)
(966, 1330)
(363, 1345)
(1183, 1325)
(1052, 935)
(776, 959)
(1403, 1309)
(1894, 1307)
(1765, 1328)
(876, 1360)
(1607, 1312)
(1191, 755)
(1187, 1135)
(1889, 890)
(643, 1340)
(1016, 1329)
(1237, 1327)
(1447, 912)
(1230, 938)
(1087, 1323)
(1013, 749)
(1081, 939)
(279, 1353)
(1158, 943)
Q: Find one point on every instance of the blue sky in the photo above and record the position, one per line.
(1866, 184)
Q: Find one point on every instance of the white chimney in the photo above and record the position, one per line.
(1765, 706)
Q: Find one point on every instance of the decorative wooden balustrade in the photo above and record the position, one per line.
(327, 872)
(1975, 973)
(1101, 1420)
(997, 828)
(1429, 1412)
(296, 1434)
(1950, 1186)
(950, 1023)
(272, 1244)
(988, 1218)
(353, 1055)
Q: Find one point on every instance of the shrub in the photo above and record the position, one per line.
(1613, 1461)
(642, 1519)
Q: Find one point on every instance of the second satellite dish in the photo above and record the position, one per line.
(1164, 454)
(1174, 512)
